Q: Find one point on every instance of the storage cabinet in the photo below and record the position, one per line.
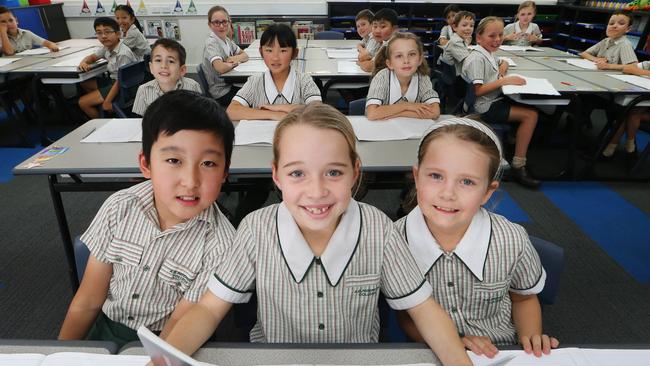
(47, 21)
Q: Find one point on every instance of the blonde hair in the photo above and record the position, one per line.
(384, 53)
(485, 22)
(321, 116)
(526, 4)
(215, 9)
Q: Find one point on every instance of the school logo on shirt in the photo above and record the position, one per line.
(366, 291)
(180, 277)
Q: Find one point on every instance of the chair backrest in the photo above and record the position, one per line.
(328, 35)
(552, 258)
(203, 81)
(470, 99)
(357, 107)
(81, 254)
(448, 73)
(130, 77)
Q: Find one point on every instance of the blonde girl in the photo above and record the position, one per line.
(523, 32)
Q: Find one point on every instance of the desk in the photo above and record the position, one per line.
(524, 63)
(47, 347)
(49, 55)
(545, 52)
(333, 43)
(565, 83)
(235, 76)
(556, 63)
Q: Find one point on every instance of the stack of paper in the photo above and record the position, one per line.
(401, 128)
(251, 66)
(634, 80)
(349, 67)
(117, 130)
(532, 86)
(582, 63)
(344, 53)
(250, 132)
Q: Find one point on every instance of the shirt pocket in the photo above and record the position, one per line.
(124, 252)
(176, 275)
(488, 298)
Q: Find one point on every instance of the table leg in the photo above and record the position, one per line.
(64, 230)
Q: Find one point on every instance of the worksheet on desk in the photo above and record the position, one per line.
(117, 130)
(401, 128)
(532, 86)
(4, 61)
(344, 53)
(582, 63)
(71, 359)
(249, 132)
(568, 357)
(633, 79)
(252, 65)
(39, 51)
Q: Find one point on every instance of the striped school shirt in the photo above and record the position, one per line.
(24, 40)
(216, 48)
(327, 299)
(616, 51)
(482, 67)
(385, 89)
(260, 89)
(152, 269)
(121, 55)
(494, 257)
(372, 46)
(150, 91)
(446, 32)
(455, 52)
(645, 65)
(516, 28)
(136, 41)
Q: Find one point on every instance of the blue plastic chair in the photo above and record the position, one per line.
(81, 254)
(552, 258)
(501, 129)
(203, 81)
(328, 35)
(357, 107)
(130, 77)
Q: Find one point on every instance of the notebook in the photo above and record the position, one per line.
(163, 353)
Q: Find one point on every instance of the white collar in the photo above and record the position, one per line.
(338, 253)
(471, 250)
(396, 90)
(287, 90)
(490, 56)
(529, 30)
(618, 40)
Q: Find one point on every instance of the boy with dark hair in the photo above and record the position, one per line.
(153, 246)
(102, 91)
(447, 31)
(14, 39)
(384, 24)
(168, 68)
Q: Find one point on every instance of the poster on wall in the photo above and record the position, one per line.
(172, 30)
(155, 28)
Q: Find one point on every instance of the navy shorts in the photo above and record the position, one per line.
(498, 113)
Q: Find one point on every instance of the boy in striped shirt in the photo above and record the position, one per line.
(153, 246)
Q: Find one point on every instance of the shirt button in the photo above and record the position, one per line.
(319, 294)
(135, 296)
(145, 268)
(450, 284)
(129, 317)
(454, 309)
(321, 326)
(317, 261)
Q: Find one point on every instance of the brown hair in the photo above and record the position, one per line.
(462, 15)
(215, 9)
(384, 53)
(485, 22)
(365, 14)
(630, 20)
(4, 9)
(526, 4)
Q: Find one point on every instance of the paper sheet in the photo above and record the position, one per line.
(532, 86)
(569, 357)
(117, 130)
(582, 63)
(253, 53)
(510, 62)
(349, 67)
(73, 60)
(254, 65)
(83, 359)
(21, 359)
(401, 128)
(4, 61)
(38, 51)
(519, 48)
(344, 53)
(633, 79)
(250, 132)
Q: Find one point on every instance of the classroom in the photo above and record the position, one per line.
(195, 181)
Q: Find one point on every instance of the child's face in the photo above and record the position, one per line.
(220, 24)
(124, 19)
(450, 18)
(618, 26)
(526, 15)
(491, 37)
(315, 178)
(108, 37)
(363, 27)
(382, 30)
(277, 58)
(452, 184)
(187, 170)
(465, 27)
(165, 65)
(10, 21)
(405, 58)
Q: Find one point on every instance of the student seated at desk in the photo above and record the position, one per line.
(384, 25)
(153, 246)
(632, 121)
(220, 55)
(615, 51)
(523, 32)
(168, 69)
(132, 31)
(447, 31)
(280, 89)
(318, 260)
(401, 86)
(483, 268)
(457, 49)
(15, 40)
(103, 90)
(486, 73)
(363, 22)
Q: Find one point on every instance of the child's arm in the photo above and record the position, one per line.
(107, 105)
(439, 332)
(223, 67)
(180, 310)
(286, 108)
(51, 45)
(88, 300)
(364, 55)
(503, 68)
(527, 318)
(413, 110)
(443, 41)
(482, 89)
(367, 65)
(87, 61)
(198, 324)
(591, 52)
(634, 69)
(236, 111)
(240, 57)
(7, 48)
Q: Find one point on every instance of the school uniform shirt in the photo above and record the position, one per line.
(645, 65)
(446, 32)
(516, 28)
(119, 56)
(455, 52)
(372, 46)
(616, 51)
(327, 299)
(482, 67)
(472, 282)
(24, 40)
(216, 48)
(150, 91)
(260, 89)
(386, 90)
(364, 40)
(153, 269)
(136, 41)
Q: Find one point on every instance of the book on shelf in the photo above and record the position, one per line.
(244, 32)
(261, 25)
(302, 29)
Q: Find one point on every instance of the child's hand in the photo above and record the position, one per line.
(602, 64)
(533, 38)
(480, 345)
(286, 108)
(513, 80)
(107, 106)
(54, 48)
(3, 28)
(538, 344)
(631, 69)
(84, 66)
(232, 64)
(511, 37)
